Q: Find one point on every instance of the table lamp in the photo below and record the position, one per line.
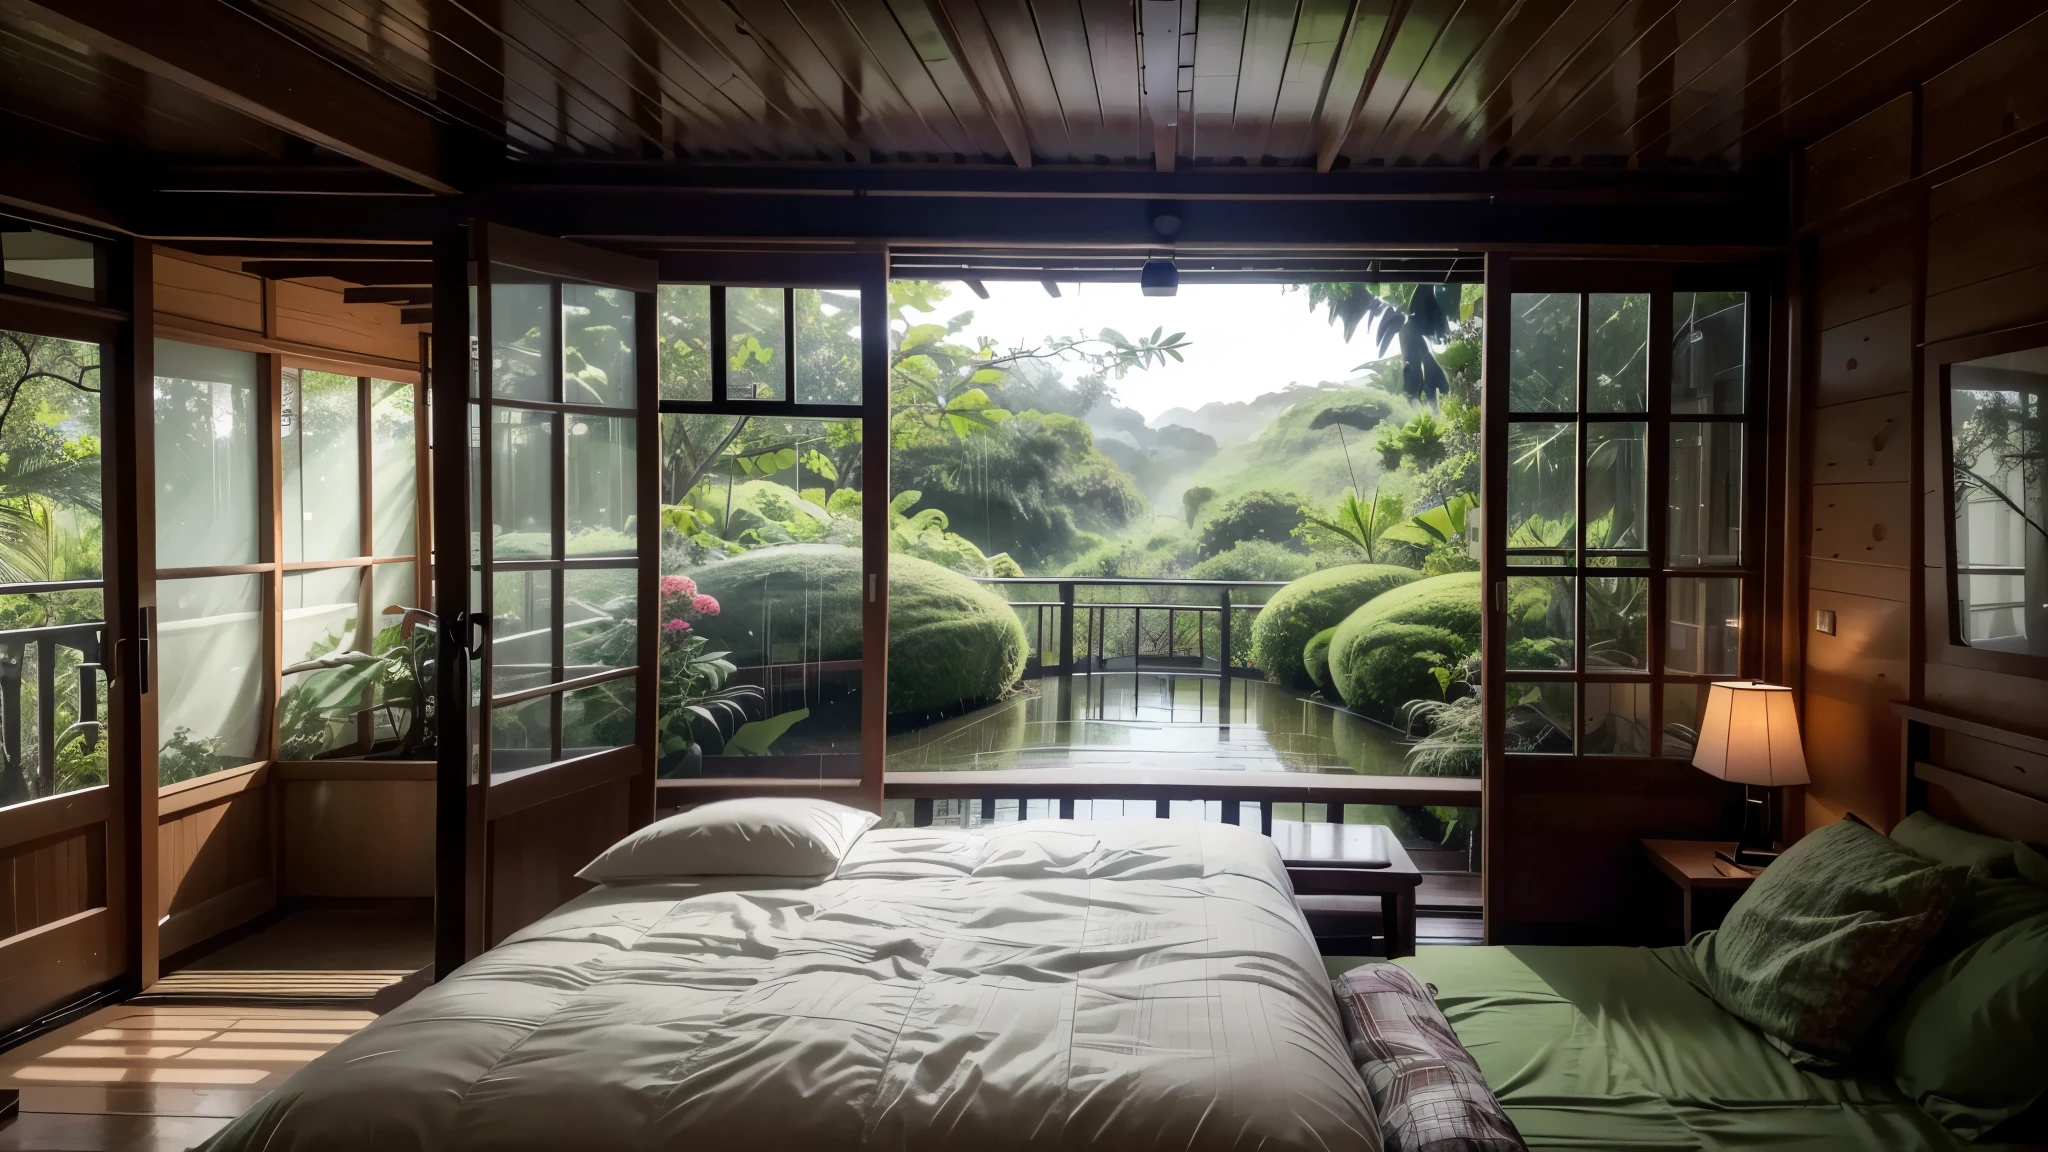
(1750, 736)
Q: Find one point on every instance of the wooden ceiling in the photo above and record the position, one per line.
(1160, 83)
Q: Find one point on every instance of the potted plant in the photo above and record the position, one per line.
(693, 680)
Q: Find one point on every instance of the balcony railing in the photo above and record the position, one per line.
(40, 779)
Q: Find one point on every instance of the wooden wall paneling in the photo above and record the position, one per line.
(49, 965)
(1989, 305)
(309, 314)
(1862, 269)
(1988, 222)
(1866, 523)
(1864, 358)
(1980, 693)
(1853, 758)
(1865, 661)
(1994, 93)
(1879, 581)
(214, 855)
(1873, 154)
(535, 852)
(46, 882)
(2020, 769)
(1867, 441)
(200, 290)
(357, 839)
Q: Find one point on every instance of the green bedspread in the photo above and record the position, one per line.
(1621, 1048)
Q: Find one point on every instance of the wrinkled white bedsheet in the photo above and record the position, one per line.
(1053, 984)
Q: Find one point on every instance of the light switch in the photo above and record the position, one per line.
(1824, 620)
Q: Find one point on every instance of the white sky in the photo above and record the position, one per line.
(1245, 339)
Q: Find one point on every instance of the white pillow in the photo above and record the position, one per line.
(755, 836)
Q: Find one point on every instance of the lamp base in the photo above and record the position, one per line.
(1755, 859)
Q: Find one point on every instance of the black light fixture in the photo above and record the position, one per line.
(1159, 277)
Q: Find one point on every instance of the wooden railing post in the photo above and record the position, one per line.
(1066, 629)
(1223, 659)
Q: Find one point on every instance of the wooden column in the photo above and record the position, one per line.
(874, 527)
(457, 916)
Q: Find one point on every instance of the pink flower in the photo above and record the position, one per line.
(675, 625)
(703, 605)
(678, 586)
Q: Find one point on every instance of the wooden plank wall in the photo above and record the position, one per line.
(535, 852)
(1923, 221)
(358, 831)
(213, 296)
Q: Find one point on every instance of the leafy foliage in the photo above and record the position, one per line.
(1317, 601)
(1406, 644)
(1194, 500)
(1256, 515)
(1409, 317)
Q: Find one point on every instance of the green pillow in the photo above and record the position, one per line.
(1813, 950)
(2032, 864)
(1948, 844)
(1970, 1042)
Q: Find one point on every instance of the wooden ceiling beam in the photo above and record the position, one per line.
(974, 50)
(418, 296)
(230, 58)
(390, 273)
(1159, 25)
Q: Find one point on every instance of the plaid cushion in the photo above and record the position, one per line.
(1428, 1090)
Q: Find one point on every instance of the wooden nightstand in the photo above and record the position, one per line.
(1345, 873)
(1706, 888)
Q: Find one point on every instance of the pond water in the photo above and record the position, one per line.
(1153, 720)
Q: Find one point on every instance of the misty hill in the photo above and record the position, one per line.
(1288, 456)
(1236, 421)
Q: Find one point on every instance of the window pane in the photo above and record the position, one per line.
(1541, 618)
(522, 333)
(600, 620)
(48, 261)
(1618, 623)
(761, 559)
(393, 589)
(1542, 491)
(1709, 342)
(206, 440)
(210, 674)
(522, 631)
(1617, 720)
(324, 688)
(322, 497)
(70, 752)
(392, 586)
(2000, 501)
(522, 736)
(1706, 495)
(685, 341)
(597, 345)
(1539, 716)
(1543, 353)
(1684, 704)
(50, 438)
(1705, 636)
(394, 469)
(522, 484)
(602, 485)
(1617, 486)
(598, 717)
(1617, 352)
(827, 346)
(757, 362)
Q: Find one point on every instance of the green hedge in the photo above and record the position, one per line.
(953, 644)
(1315, 657)
(1317, 601)
(1383, 654)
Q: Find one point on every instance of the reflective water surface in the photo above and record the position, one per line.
(1121, 720)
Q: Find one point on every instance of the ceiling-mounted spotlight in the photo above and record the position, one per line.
(1159, 277)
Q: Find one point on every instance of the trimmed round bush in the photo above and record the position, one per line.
(1383, 654)
(1317, 601)
(1253, 560)
(1315, 657)
(953, 644)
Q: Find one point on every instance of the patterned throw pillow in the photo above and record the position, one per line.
(1815, 949)
(1426, 1087)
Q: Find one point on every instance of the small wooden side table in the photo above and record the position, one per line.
(1707, 887)
(1341, 870)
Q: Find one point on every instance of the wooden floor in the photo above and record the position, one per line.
(169, 1069)
(159, 1076)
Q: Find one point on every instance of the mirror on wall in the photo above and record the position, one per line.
(1997, 502)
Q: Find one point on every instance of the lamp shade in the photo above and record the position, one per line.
(1750, 735)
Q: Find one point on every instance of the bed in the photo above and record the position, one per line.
(1040, 985)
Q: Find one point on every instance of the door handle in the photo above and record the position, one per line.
(145, 648)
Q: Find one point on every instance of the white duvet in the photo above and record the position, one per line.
(1138, 985)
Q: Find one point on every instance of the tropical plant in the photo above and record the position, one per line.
(41, 471)
(1256, 515)
(1363, 524)
(1419, 441)
(1407, 316)
(693, 685)
(1194, 500)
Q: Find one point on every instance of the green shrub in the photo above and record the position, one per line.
(1256, 515)
(1317, 601)
(1315, 657)
(952, 643)
(1387, 652)
(1253, 560)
